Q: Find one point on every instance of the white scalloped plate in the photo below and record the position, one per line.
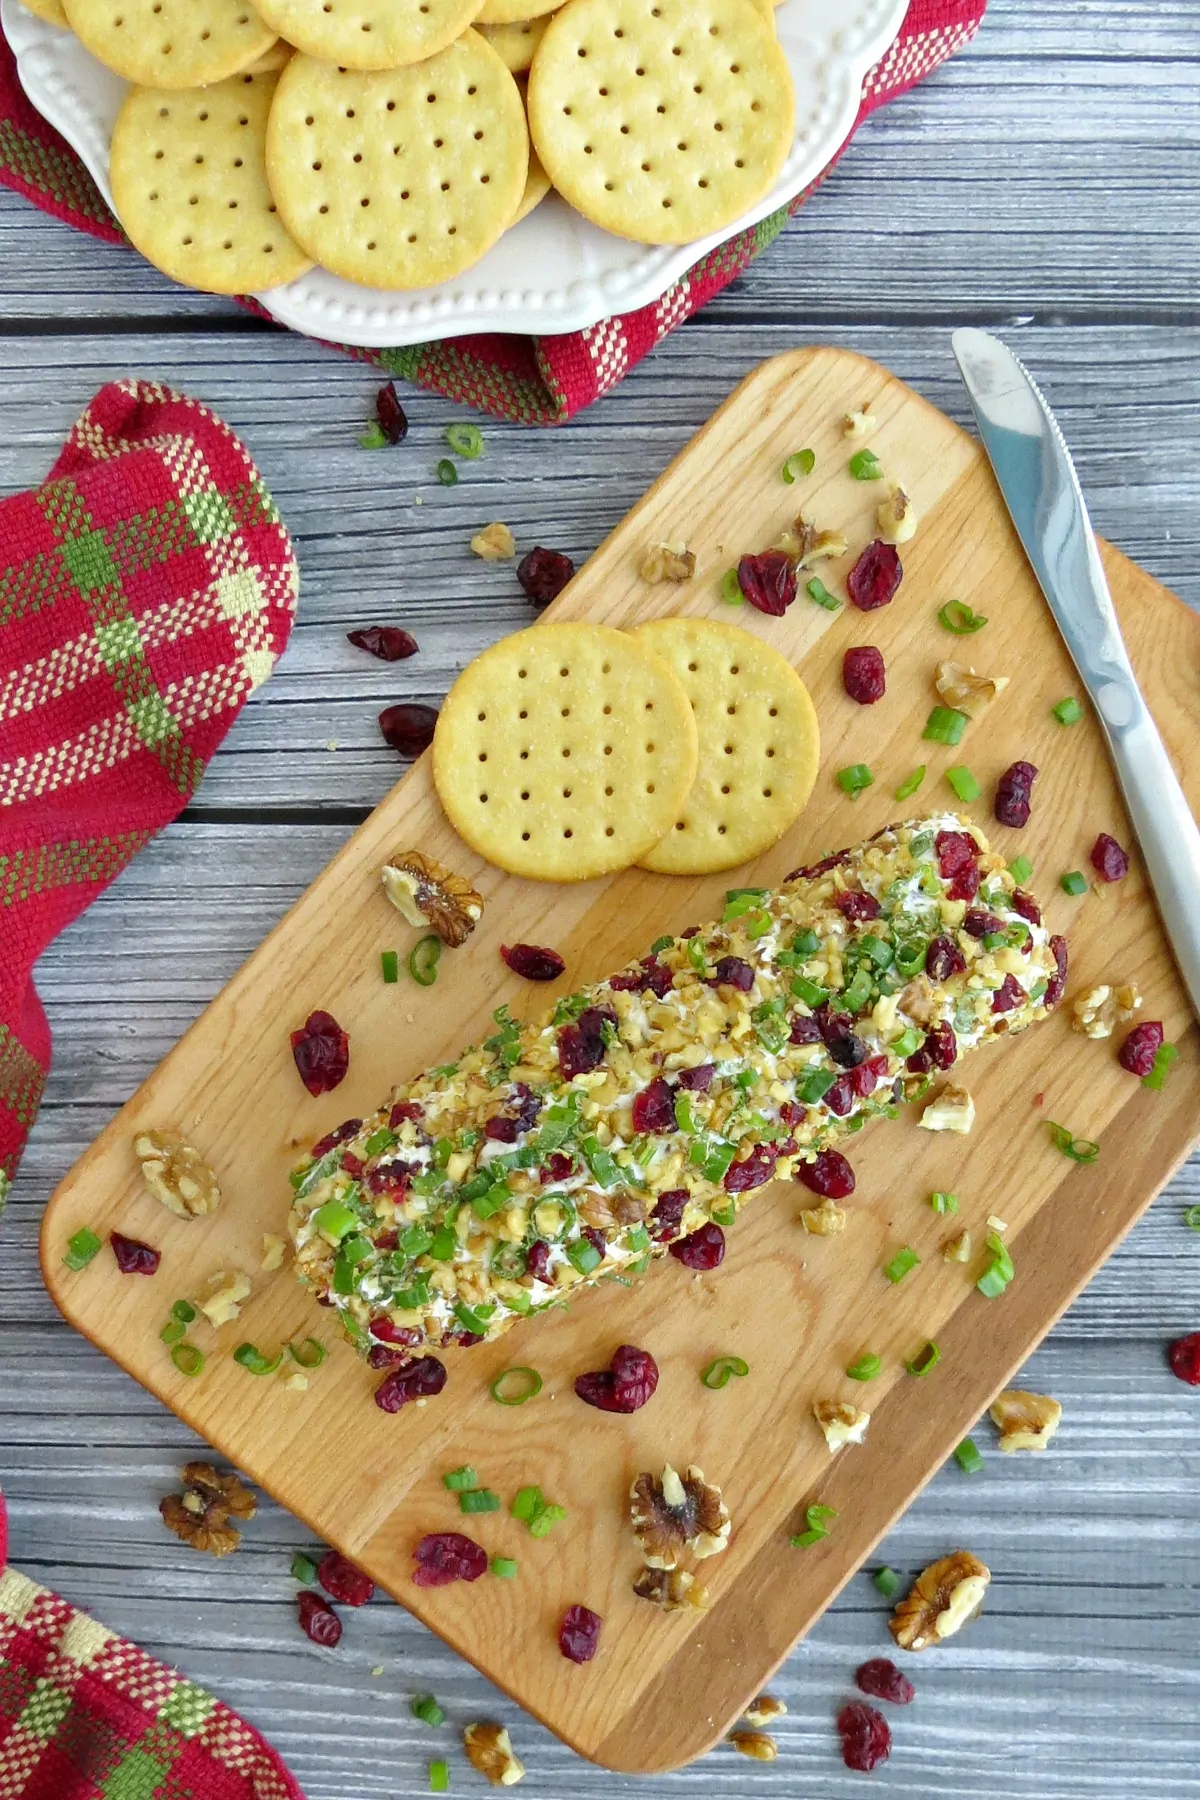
(582, 274)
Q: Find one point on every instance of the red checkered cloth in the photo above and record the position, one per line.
(540, 380)
(146, 590)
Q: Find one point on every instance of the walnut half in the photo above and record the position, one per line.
(943, 1598)
(177, 1174)
(495, 543)
(952, 1109)
(755, 1744)
(431, 897)
(764, 1711)
(807, 544)
(1025, 1421)
(201, 1515)
(673, 1513)
(1097, 1012)
(490, 1752)
(668, 562)
(896, 518)
(964, 690)
(842, 1423)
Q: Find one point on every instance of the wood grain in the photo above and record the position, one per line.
(230, 1083)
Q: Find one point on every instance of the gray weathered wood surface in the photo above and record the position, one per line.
(1048, 181)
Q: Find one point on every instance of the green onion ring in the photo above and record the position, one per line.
(251, 1358)
(423, 960)
(1080, 1150)
(957, 617)
(731, 588)
(1192, 1217)
(447, 474)
(531, 1384)
(188, 1360)
(721, 1370)
(173, 1332)
(310, 1353)
(801, 462)
(465, 440)
(924, 1360)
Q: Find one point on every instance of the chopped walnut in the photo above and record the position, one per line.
(764, 1711)
(225, 1302)
(859, 424)
(842, 1423)
(274, 1249)
(807, 544)
(201, 1515)
(672, 1513)
(952, 1109)
(920, 1000)
(671, 1589)
(1097, 1012)
(177, 1174)
(825, 1219)
(896, 518)
(943, 1598)
(495, 543)
(958, 1249)
(297, 1381)
(668, 562)
(964, 690)
(756, 1744)
(1025, 1421)
(430, 896)
(490, 1752)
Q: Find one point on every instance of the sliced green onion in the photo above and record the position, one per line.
(528, 1504)
(1074, 882)
(253, 1359)
(459, 1481)
(999, 1272)
(1068, 711)
(82, 1249)
(439, 1777)
(855, 779)
(800, 462)
(697, 955)
(334, 1220)
(188, 1360)
(968, 1458)
(661, 944)
(173, 1332)
(721, 1371)
(945, 726)
(866, 466)
(811, 992)
(924, 1360)
(426, 1708)
(740, 901)
(963, 783)
(887, 1581)
(304, 1569)
(815, 1519)
(957, 617)
(909, 1039)
(465, 440)
(447, 474)
(505, 1566)
(1191, 1218)
(423, 959)
(310, 1352)
(604, 1166)
(389, 962)
(815, 1086)
(724, 1215)
(479, 1500)
(943, 1203)
(1080, 1150)
(1020, 868)
(866, 1368)
(372, 438)
(1164, 1056)
(805, 943)
(731, 588)
(513, 1387)
(911, 783)
(184, 1311)
(900, 1265)
(472, 1319)
(816, 590)
(758, 924)
(546, 1520)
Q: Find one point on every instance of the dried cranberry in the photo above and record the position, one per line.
(752, 1171)
(537, 1260)
(883, 1681)
(559, 1166)
(393, 421)
(408, 727)
(388, 642)
(392, 1178)
(651, 974)
(405, 1336)
(1184, 1358)
(848, 1051)
(830, 1176)
(865, 1077)
(1057, 985)
(875, 576)
(1108, 859)
(956, 851)
(134, 1257)
(1012, 795)
(943, 959)
(354, 1165)
(840, 1097)
(318, 1620)
(342, 1581)
(790, 1113)
(595, 1238)
(581, 1046)
(863, 675)
(668, 1213)
(533, 961)
(544, 574)
(445, 1556)
(821, 868)
(703, 1249)
(579, 1634)
(423, 1377)
(866, 1736)
(654, 1107)
(697, 1080)
(404, 1110)
(834, 1025)
(333, 1138)
(1138, 1051)
(500, 1128)
(939, 1050)
(1010, 993)
(387, 1241)
(979, 924)
(805, 1030)
(625, 1386)
(768, 581)
(966, 885)
(322, 1053)
(855, 906)
(1027, 906)
(379, 1356)
(731, 971)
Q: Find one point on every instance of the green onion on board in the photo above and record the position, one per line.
(816, 590)
(926, 1359)
(945, 725)
(866, 1368)
(901, 1264)
(513, 1387)
(721, 1371)
(731, 588)
(1068, 711)
(964, 784)
(82, 1248)
(423, 959)
(957, 617)
(1080, 1150)
(800, 462)
(864, 465)
(460, 1481)
(911, 783)
(1074, 883)
(855, 779)
(815, 1520)
(389, 963)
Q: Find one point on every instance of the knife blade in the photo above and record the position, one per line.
(1037, 478)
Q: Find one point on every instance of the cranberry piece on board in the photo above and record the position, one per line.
(866, 1737)
(666, 1217)
(697, 1080)
(939, 1050)
(543, 574)
(768, 581)
(445, 1556)
(333, 1138)
(134, 1257)
(703, 1249)
(830, 1176)
(408, 727)
(1140, 1048)
(855, 906)
(393, 420)
(537, 1260)
(654, 1107)
(980, 924)
(732, 971)
(752, 1171)
(579, 1634)
(1184, 1358)
(1010, 993)
(321, 1050)
(1013, 792)
(342, 1581)
(318, 1620)
(388, 642)
(533, 961)
(1058, 981)
(875, 577)
(884, 1681)
(956, 851)
(1108, 859)
(625, 1386)
(944, 959)
(419, 1379)
(863, 675)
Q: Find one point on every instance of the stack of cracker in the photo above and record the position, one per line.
(393, 142)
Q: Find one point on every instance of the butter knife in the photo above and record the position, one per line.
(1041, 490)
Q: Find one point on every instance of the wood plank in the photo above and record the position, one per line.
(627, 1722)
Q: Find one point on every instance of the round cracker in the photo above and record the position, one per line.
(52, 11)
(759, 745)
(513, 12)
(537, 186)
(189, 185)
(661, 120)
(514, 44)
(173, 44)
(565, 751)
(370, 34)
(399, 178)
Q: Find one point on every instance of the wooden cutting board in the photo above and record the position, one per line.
(797, 1308)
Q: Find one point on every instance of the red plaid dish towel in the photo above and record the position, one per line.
(540, 380)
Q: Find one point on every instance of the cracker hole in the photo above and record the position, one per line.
(566, 793)
(566, 750)
(608, 831)
(525, 793)
(568, 832)
(483, 798)
(766, 793)
(771, 750)
(524, 756)
(524, 837)
(483, 756)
